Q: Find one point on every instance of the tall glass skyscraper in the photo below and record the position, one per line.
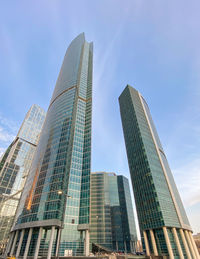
(112, 224)
(14, 168)
(164, 226)
(55, 216)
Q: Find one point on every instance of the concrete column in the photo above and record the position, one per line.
(20, 242)
(9, 243)
(87, 242)
(38, 243)
(58, 241)
(131, 247)
(153, 241)
(146, 243)
(190, 244)
(28, 243)
(194, 245)
(116, 245)
(177, 243)
(51, 242)
(169, 248)
(185, 244)
(14, 242)
(84, 245)
(134, 246)
(125, 248)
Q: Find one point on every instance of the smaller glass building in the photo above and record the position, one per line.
(112, 225)
(14, 167)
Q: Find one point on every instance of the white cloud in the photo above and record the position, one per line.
(8, 124)
(8, 130)
(188, 181)
(5, 136)
(1, 151)
(193, 215)
(187, 178)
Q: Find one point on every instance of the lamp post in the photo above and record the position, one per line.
(60, 192)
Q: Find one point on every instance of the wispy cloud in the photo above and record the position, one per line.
(8, 131)
(188, 181)
(5, 136)
(103, 126)
(1, 151)
(10, 125)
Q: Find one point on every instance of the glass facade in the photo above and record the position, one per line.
(112, 224)
(127, 216)
(57, 190)
(157, 199)
(15, 165)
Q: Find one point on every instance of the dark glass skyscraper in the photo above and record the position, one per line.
(112, 224)
(14, 168)
(56, 196)
(164, 226)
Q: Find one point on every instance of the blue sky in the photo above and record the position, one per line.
(152, 45)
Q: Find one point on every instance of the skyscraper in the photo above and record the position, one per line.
(55, 217)
(14, 168)
(164, 226)
(112, 225)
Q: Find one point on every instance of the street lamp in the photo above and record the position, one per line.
(60, 192)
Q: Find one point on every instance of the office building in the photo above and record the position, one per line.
(164, 226)
(112, 225)
(55, 215)
(4, 156)
(14, 167)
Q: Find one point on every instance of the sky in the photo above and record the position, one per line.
(152, 45)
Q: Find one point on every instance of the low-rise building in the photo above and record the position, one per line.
(112, 224)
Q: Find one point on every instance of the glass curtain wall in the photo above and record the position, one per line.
(160, 210)
(57, 191)
(112, 225)
(15, 166)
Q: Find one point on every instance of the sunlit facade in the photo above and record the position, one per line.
(112, 225)
(55, 200)
(14, 167)
(164, 225)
